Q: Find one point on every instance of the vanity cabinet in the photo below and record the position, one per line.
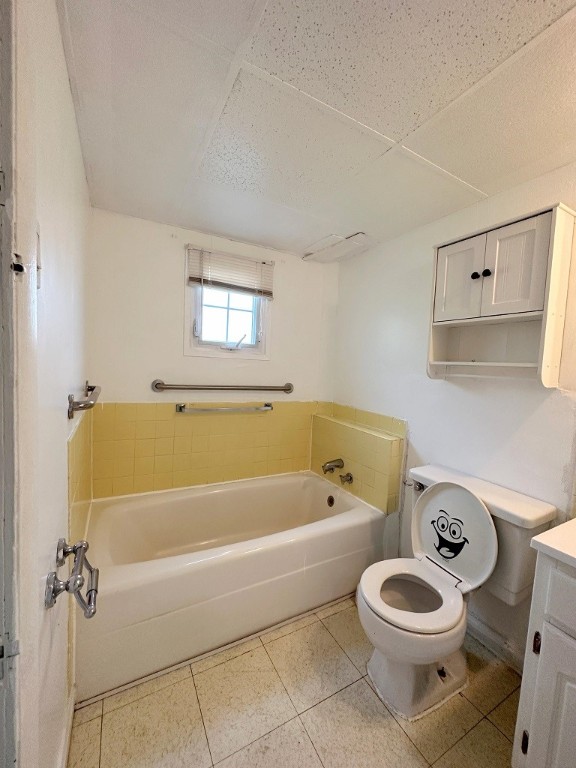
(545, 735)
(500, 300)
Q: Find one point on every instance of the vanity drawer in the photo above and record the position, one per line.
(561, 601)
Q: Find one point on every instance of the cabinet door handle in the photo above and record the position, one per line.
(475, 275)
(486, 272)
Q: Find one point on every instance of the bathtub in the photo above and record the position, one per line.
(186, 571)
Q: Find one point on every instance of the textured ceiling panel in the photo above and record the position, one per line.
(272, 141)
(243, 216)
(398, 193)
(224, 22)
(144, 100)
(516, 125)
(392, 64)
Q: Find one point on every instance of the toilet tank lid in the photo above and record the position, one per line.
(514, 507)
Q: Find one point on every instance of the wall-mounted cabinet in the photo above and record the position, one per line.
(500, 302)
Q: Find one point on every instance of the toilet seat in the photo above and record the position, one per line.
(441, 620)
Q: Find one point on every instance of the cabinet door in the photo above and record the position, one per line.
(458, 279)
(517, 259)
(552, 742)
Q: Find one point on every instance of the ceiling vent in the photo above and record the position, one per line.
(336, 247)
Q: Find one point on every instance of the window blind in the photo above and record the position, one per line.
(232, 273)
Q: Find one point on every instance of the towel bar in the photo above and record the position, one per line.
(181, 408)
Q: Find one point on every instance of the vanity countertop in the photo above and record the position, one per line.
(558, 542)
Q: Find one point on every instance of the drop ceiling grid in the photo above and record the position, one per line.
(378, 62)
(171, 131)
(513, 126)
(398, 192)
(272, 142)
(213, 208)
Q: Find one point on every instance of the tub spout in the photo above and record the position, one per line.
(330, 466)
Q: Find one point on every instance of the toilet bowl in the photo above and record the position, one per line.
(414, 610)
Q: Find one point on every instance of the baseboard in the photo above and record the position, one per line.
(510, 653)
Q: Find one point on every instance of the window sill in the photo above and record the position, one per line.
(239, 354)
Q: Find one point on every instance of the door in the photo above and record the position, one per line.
(517, 263)
(552, 740)
(459, 279)
(8, 647)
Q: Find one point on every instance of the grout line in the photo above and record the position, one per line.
(144, 696)
(224, 661)
(202, 719)
(361, 671)
(395, 721)
(310, 740)
(291, 632)
(255, 740)
(348, 685)
(280, 678)
(100, 744)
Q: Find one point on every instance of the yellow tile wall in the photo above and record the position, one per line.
(79, 476)
(372, 455)
(140, 447)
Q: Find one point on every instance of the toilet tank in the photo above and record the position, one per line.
(517, 518)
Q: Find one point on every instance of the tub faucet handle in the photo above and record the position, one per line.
(347, 478)
(330, 466)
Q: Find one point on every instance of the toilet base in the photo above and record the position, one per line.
(414, 690)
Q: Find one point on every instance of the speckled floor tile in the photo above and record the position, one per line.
(490, 680)
(354, 728)
(482, 747)
(85, 745)
(85, 714)
(323, 613)
(288, 747)
(287, 629)
(162, 730)
(220, 658)
(346, 629)
(118, 700)
(505, 714)
(241, 700)
(435, 733)
(312, 665)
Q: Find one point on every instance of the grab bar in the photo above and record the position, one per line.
(181, 408)
(91, 395)
(73, 585)
(159, 386)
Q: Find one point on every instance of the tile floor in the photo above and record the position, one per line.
(296, 696)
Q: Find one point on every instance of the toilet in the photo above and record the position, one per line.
(465, 533)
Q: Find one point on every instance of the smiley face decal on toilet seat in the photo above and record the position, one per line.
(451, 540)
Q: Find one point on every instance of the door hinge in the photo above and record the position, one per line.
(536, 643)
(2, 188)
(7, 651)
(524, 745)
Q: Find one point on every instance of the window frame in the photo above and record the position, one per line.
(195, 347)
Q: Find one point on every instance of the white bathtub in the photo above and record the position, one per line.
(183, 572)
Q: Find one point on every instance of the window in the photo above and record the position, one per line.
(227, 300)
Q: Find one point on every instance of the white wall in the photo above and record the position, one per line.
(515, 433)
(51, 197)
(136, 317)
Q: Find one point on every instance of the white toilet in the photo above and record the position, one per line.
(414, 610)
